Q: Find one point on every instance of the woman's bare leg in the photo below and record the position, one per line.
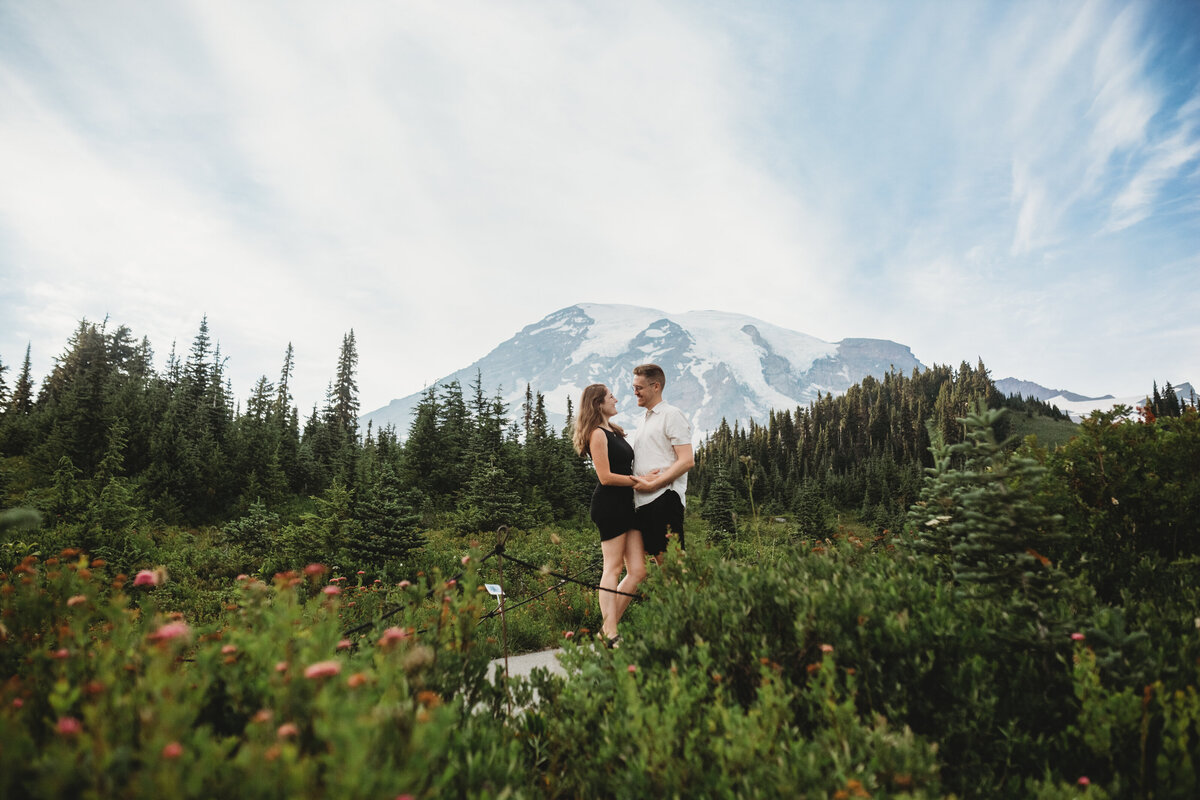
(614, 562)
(635, 572)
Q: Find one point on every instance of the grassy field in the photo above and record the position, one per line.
(1050, 433)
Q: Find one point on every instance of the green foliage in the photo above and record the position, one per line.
(864, 449)
(268, 701)
(255, 529)
(808, 659)
(980, 516)
(490, 501)
(1130, 494)
(718, 506)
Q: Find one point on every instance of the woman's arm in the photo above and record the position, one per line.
(598, 443)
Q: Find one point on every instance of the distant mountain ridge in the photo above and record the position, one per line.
(1078, 406)
(719, 365)
(1029, 390)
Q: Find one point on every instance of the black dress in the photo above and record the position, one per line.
(612, 506)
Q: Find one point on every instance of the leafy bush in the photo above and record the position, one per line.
(101, 698)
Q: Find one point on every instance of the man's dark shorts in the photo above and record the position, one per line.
(656, 517)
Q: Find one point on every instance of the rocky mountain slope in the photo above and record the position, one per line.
(718, 365)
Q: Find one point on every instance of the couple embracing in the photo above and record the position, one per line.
(640, 495)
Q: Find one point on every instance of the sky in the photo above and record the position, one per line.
(1017, 182)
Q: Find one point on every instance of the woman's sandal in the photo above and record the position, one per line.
(614, 643)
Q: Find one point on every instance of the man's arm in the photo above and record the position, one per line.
(683, 462)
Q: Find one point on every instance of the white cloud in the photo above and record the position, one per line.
(438, 175)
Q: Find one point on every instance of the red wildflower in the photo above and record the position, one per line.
(172, 751)
(69, 726)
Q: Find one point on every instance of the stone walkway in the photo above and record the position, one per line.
(522, 665)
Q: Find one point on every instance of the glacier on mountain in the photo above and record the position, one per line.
(719, 365)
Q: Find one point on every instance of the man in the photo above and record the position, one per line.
(662, 456)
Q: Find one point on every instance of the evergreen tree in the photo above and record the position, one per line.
(718, 509)
(255, 529)
(490, 501)
(21, 401)
(389, 521)
(983, 506)
(423, 448)
(67, 499)
(345, 398)
(283, 394)
(812, 513)
(115, 510)
(454, 434)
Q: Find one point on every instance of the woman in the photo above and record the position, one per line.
(612, 503)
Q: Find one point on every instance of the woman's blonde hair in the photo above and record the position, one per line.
(590, 417)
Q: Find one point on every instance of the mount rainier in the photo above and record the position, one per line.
(718, 365)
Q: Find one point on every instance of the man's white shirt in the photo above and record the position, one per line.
(663, 427)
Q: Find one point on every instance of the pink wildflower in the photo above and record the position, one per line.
(281, 666)
(287, 729)
(229, 649)
(77, 600)
(568, 634)
(344, 644)
(466, 560)
(362, 572)
(61, 653)
(145, 578)
(172, 630)
(172, 751)
(323, 669)
(332, 590)
(1077, 637)
(69, 726)
(404, 584)
(17, 702)
(315, 569)
(632, 668)
(826, 648)
(392, 635)
(1083, 780)
(242, 577)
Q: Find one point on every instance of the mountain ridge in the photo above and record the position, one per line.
(719, 365)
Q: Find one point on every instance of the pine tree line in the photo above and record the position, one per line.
(864, 450)
(108, 442)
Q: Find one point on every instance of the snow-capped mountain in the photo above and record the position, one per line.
(718, 365)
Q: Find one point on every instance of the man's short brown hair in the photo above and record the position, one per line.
(652, 373)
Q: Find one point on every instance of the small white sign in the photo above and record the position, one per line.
(493, 589)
